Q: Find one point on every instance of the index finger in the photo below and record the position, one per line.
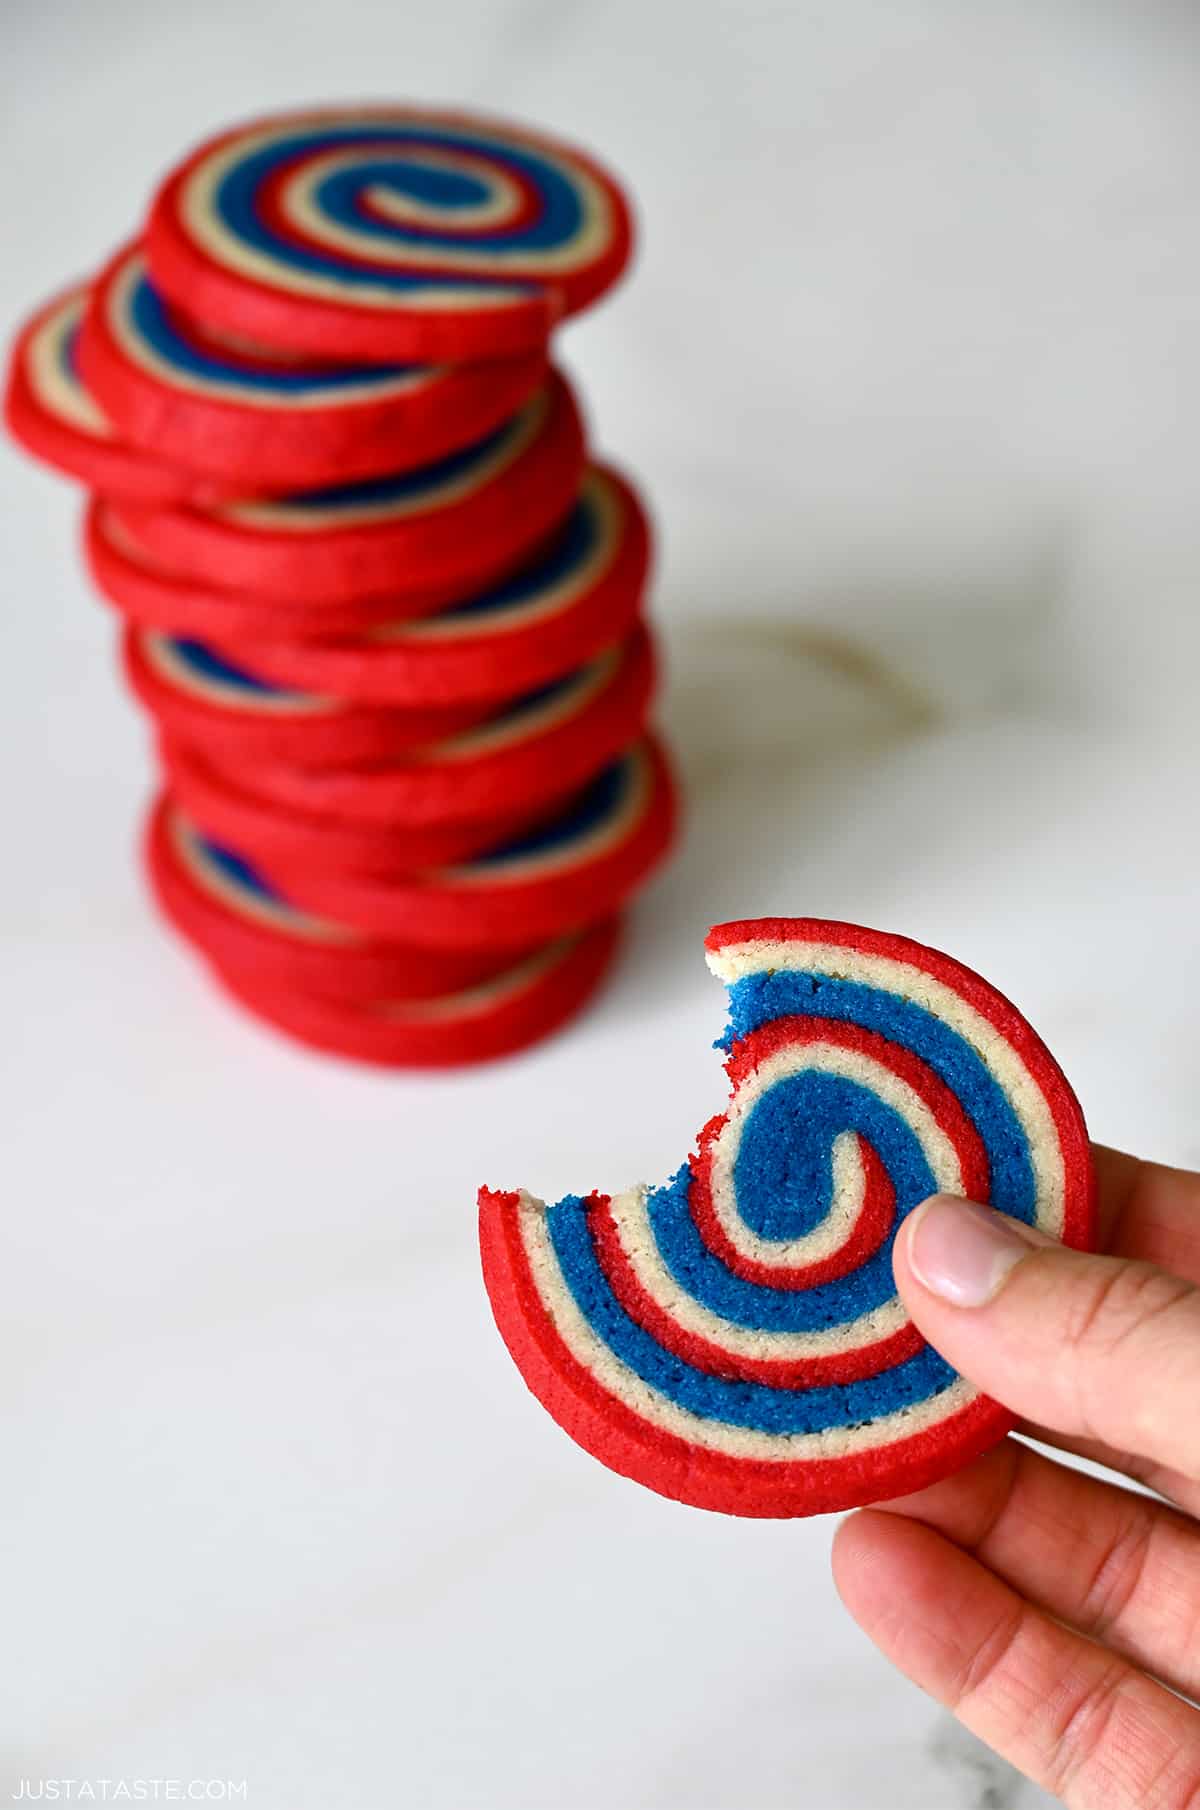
(1148, 1212)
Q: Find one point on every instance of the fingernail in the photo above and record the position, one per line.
(963, 1252)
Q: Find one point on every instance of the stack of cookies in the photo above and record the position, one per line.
(383, 611)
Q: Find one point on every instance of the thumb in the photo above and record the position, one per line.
(1089, 1346)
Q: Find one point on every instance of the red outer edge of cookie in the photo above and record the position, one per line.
(485, 532)
(353, 970)
(257, 450)
(156, 597)
(306, 324)
(430, 909)
(485, 665)
(451, 1042)
(662, 1462)
(289, 841)
(522, 778)
(344, 734)
(112, 466)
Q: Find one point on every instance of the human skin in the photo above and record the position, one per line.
(1055, 1614)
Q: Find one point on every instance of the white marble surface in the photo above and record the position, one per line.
(912, 361)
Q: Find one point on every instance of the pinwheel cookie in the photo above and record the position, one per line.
(734, 1338)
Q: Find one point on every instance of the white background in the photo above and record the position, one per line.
(910, 365)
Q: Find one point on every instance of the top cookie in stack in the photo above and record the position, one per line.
(382, 610)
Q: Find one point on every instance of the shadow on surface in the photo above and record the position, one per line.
(785, 720)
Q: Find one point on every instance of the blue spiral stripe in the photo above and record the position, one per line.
(759, 998)
(206, 664)
(738, 1404)
(239, 871)
(557, 224)
(783, 1173)
(236, 196)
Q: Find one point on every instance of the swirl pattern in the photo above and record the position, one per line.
(734, 1339)
(388, 233)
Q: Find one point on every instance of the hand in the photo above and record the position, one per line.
(1047, 1609)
